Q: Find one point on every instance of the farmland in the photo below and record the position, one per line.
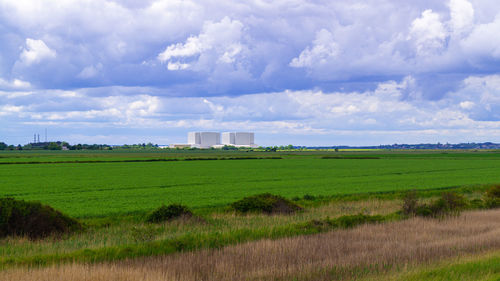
(112, 191)
(110, 188)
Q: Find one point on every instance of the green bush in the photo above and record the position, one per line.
(32, 219)
(265, 203)
(167, 213)
(410, 203)
(492, 197)
(476, 204)
(449, 203)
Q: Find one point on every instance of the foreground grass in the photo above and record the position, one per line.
(476, 268)
(121, 237)
(111, 239)
(336, 255)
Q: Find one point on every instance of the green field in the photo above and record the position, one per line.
(103, 185)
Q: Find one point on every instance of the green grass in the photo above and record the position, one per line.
(118, 188)
(476, 268)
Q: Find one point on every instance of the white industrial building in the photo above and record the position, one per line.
(238, 139)
(203, 139)
(213, 139)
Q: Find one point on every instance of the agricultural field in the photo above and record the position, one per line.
(112, 192)
(111, 188)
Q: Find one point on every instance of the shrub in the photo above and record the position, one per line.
(476, 204)
(410, 203)
(492, 197)
(449, 203)
(265, 203)
(167, 213)
(32, 219)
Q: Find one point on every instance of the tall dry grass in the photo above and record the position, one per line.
(337, 255)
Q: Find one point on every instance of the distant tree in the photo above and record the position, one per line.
(54, 146)
(3, 146)
(19, 147)
(11, 147)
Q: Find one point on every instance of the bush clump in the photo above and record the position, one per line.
(32, 219)
(449, 203)
(168, 213)
(265, 203)
(492, 197)
(410, 203)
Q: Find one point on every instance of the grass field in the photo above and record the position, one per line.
(106, 188)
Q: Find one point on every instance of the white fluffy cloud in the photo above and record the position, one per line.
(218, 42)
(36, 51)
(324, 48)
(462, 15)
(15, 84)
(428, 33)
(481, 43)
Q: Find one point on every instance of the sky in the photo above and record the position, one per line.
(314, 73)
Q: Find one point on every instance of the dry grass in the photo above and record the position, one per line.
(335, 255)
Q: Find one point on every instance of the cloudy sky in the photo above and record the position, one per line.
(355, 72)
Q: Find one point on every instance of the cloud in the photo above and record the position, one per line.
(387, 68)
(218, 42)
(479, 97)
(428, 33)
(177, 66)
(383, 108)
(324, 49)
(480, 44)
(462, 15)
(15, 84)
(90, 71)
(36, 51)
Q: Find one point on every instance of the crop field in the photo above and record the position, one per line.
(109, 188)
(104, 188)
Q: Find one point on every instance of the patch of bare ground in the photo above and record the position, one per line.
(337, 255)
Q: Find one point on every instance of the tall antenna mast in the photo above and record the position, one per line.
(34, 138)
(38, 137)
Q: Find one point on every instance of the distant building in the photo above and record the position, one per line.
(238, 139)
(203, 139)
(213, 139)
